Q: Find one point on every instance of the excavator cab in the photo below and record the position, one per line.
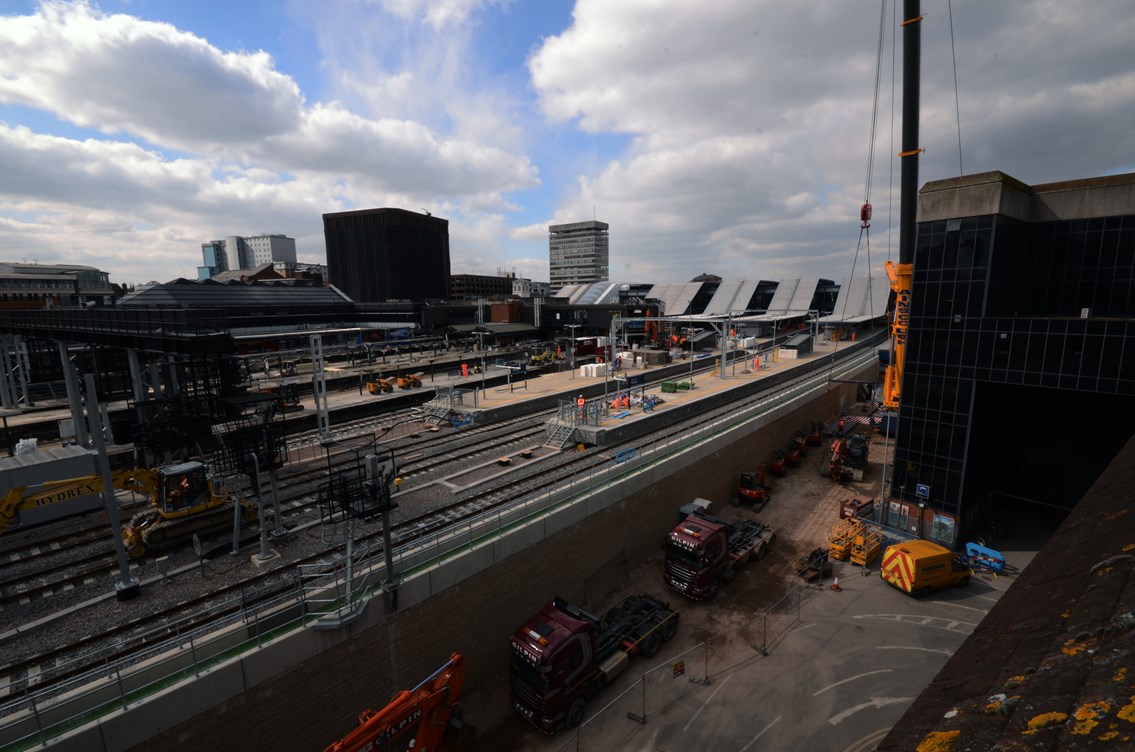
(751, 487)
(182, 487)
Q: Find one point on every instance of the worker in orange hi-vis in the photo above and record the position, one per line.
(464, 370)
(580, 405)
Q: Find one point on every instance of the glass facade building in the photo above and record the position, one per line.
(1019, 378)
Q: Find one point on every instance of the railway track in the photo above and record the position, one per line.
(57, 563)
(54, 659)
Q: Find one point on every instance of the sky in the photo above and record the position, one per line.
(731, 137)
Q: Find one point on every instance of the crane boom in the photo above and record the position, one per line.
(900, 276)
(53, 492)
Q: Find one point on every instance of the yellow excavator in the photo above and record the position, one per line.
(183, 500)
(380, 385)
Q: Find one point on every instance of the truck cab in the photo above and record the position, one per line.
(552, 661)
(563, 655)
(696, 552)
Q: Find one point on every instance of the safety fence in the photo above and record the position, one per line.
(40, 715)
(685, 673)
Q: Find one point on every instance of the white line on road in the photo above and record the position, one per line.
(876, 702)
(707, 701)
(943, 651)
(762, 733)
(958, 605)
(819, 692)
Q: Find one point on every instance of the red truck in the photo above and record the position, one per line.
(563, 655)
(704, 552)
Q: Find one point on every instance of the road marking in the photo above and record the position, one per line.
(936, 622)
(876, 702)
(762, 733)
(958, 605)
(943, 651)
(850, 678)
(707, 701)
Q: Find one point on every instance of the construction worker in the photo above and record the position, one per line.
(581, 405)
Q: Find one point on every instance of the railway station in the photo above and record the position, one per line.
(353, 535)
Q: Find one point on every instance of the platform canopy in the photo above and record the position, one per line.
(861, 299)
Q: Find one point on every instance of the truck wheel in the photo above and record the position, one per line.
(922, 592)
(761, 551)
(730, 573)
(669, 629)
(575, 713)
(963, 581)
(712, 591)
(649, 646)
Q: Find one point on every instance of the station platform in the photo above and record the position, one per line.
(498, 394)
(659, 394)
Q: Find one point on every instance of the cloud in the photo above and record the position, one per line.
(749, 121)
(119, 74)
(189, 142)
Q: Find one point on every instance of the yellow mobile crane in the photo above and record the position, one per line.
(182, 498)
(900, 276)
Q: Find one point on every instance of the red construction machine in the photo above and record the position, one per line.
(778, 466)
(800, 441)
(424, 717)
(816, 435)
(751, 488)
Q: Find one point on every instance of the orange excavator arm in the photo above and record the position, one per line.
(417, 717)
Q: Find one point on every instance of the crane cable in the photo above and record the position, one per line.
(957, 103)
(865, 210)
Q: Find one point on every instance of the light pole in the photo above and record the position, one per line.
(481, 338)
(571, 346)
(690, 334)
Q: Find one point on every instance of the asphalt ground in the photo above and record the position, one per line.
(842, 666)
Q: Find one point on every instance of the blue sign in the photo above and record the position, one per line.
(459, 421)
(637, 380)
(922, 491)
(625, 456)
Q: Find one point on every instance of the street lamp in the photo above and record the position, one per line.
(481, 338)
(690, 334)
(571, 346)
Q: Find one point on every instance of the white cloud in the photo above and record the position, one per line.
(119, 74)
(229, 145)
(749, 120)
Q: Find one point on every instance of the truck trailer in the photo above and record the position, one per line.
(563, 655)
(704, 552)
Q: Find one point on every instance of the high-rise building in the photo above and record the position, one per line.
(1019, 376)
(379, 255)
(237, 252)
(578, 253)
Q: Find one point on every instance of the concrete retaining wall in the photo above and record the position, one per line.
(306, 689)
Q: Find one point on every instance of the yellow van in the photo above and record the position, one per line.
(919, 567)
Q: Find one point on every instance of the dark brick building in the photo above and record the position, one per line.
(378, 255)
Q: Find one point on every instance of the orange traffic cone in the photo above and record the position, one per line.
(836, 587)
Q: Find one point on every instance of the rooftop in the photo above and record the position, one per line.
(1052, 667)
